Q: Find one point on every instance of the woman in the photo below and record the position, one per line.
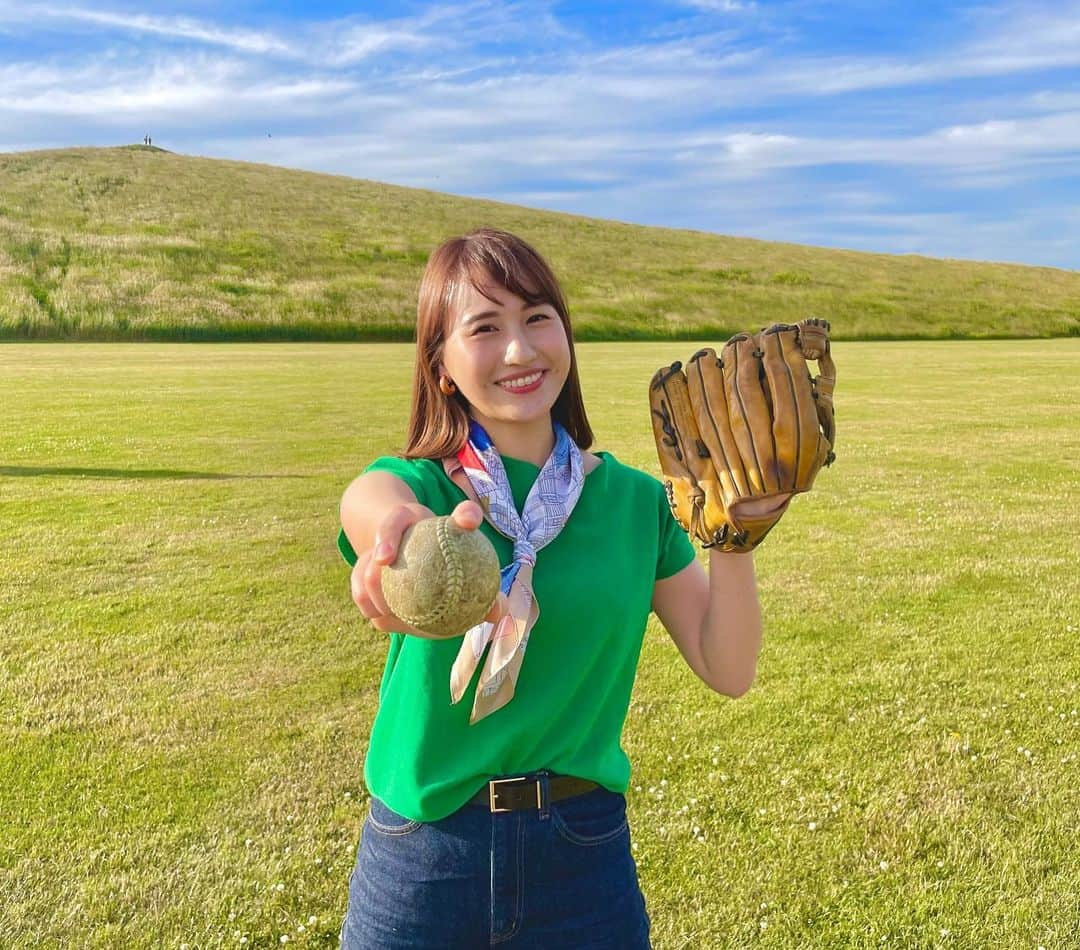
(497, 810)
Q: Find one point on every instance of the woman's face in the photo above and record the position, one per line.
(490, 344)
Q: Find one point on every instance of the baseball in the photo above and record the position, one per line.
(445, 578)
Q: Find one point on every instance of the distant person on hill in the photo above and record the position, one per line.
(497, 809)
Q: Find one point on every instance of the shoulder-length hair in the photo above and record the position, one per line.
(439, 424)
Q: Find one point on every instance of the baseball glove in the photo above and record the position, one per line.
(740, 434)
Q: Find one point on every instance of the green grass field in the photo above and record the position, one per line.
(139, 243)
(186, 689)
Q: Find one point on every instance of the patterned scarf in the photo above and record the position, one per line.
(479, 472)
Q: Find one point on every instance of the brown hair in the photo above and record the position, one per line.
(439, 424)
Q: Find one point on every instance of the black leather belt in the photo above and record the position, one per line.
(514, 794)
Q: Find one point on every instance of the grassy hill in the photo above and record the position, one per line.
(139, 243)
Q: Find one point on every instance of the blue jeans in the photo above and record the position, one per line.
(560, 877)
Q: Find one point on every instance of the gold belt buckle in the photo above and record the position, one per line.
(503, 781)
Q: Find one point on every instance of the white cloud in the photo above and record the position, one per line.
(167, 89)
(330, 44)
(982, 146)
(248, 41)
(358, 43)
(717, 6)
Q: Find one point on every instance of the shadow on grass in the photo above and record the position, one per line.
(27, 471)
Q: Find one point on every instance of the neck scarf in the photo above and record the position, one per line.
(479, 472)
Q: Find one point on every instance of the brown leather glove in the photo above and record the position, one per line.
(739, 435)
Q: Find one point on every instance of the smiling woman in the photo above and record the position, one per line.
(504, 362)
(490, 312)
(505, 815)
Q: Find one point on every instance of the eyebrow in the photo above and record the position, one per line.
(488, 314)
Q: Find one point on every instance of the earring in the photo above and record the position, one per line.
(446, 386)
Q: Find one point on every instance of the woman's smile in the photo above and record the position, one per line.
(524, 384)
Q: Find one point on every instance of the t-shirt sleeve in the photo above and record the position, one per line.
(410, 471)
(675, 549)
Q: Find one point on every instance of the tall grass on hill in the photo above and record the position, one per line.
(136, 243)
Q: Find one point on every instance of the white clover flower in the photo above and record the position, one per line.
(812, 826)
(312, 920)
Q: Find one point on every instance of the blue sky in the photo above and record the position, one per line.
(951, 130)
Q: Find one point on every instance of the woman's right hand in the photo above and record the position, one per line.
(366, 578)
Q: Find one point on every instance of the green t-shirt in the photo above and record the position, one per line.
(594, 585)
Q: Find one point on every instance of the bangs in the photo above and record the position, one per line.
(482, 264)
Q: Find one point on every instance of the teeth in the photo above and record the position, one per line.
(521, 383)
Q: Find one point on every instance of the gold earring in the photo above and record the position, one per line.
(446, 386)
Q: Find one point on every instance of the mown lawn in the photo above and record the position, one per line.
(186, 689)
